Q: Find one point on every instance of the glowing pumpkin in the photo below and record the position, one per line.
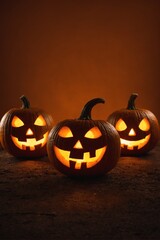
(138, 128)
(84, 147)
(24, 132)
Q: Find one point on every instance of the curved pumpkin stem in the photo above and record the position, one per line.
(131, 101)
(25, 102)
(86, 111)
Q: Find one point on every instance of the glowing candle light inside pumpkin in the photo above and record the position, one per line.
(138, 128)
(84, 147)
(24, 131)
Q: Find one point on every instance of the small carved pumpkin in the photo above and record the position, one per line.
(24, 132)
(84, 147)
(138, 128)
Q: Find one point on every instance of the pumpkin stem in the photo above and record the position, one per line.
(131, 101)
(86, 111)
(25, 102)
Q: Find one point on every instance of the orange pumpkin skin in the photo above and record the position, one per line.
(24, 131)
(141, 131)
(84, 147)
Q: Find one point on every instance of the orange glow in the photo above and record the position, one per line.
(17, 122)
(93, 133)
(65, 132)
(138, 143)
(120, 125)
(78, 145)
(29, 132)
(40, 121)
(63, 157)
(30, 142)
(144, 124)
(132, 132)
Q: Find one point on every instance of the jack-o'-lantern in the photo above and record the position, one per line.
(24, 132)
(84, 147)
(138, 128)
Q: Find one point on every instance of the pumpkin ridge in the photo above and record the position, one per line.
(141, 133)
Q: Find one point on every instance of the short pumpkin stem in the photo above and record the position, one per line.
(86, 111)
(131, 101)
(25, 102)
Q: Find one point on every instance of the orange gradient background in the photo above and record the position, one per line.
(60, 54)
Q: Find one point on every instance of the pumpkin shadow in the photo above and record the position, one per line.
(76, 183)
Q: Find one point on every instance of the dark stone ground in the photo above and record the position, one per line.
(37, 202)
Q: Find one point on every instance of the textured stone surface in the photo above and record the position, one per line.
(37, 202)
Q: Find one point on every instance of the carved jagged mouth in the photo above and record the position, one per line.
(138, 144)
(30, 143)
(63, 157)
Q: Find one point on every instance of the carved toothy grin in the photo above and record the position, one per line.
(132, 144)
(30, 143)
(63, 157)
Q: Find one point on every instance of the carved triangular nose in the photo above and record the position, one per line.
(132, 132)
(29, 132)
(78, 145)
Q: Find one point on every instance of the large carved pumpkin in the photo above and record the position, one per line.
(138, 128)
(84, 147)
(24, 132)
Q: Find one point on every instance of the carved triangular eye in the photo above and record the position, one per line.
(120, 125)
(93, 133)
(65, 132)
(144, 124)
(17, 122)
(40, 121)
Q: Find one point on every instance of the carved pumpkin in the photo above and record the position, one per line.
(24, 132)
(84, 147)
(138, 128)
